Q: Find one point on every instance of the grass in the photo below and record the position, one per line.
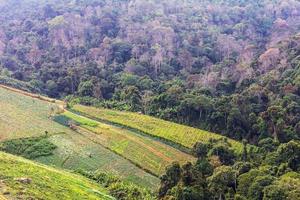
(165, 130)
(118, 188)
(22, 116)
(149, 154)
(45, 182)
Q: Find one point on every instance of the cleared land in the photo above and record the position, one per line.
(145, 152)
(23, 116)
(34, 181)
(179, 134)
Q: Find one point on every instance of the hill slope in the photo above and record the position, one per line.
(34, 181)
(176, 133)
(149, 154)
(219, 65)
(23, 116)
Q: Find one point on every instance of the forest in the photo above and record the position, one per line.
(227, 66)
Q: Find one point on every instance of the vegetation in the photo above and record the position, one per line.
(34, 181)
(153, 156)
(25, 117)
(179, 134)
(30, 148)
(230, 67)
(118, 188)
(261, 175)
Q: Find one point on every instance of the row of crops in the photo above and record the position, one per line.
(150, 155)
(165, 130)
(22, 116)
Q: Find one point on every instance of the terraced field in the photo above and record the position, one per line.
(165, 130)
(145, 152)
(24, 116)
(130, 145)
(34, 181)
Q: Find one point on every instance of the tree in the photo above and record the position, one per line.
(245, 180)
(170, 179)
(222, 182)
(275, 114)
(200, 150)
(203, 168)
(256, 189)
(289, 153)
(85, 88)
(225, 154)
(274, 192)
(51, 87)
(132, 96)
(245, 151)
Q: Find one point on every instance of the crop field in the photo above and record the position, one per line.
(45, 182)
(147, 153)
(179, 134)
(23, 116)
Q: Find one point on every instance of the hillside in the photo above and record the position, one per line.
(154, 99)
(150, 155)
(23, 116)
(218, 65)
(180, 135)
(23, 179)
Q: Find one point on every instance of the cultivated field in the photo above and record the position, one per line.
(179, 134)
(45, 182)
(147, 153)
(24, 116)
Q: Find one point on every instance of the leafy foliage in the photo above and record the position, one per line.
(255, 179)
(117, 188)
(30, 148)
(230, 67)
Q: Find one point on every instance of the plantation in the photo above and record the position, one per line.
(34, 181)
(179, 134)
(22, 116)
(149, 154)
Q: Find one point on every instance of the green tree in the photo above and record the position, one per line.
(170, 179)
(85, 88)
(222, 182)
(132, 96)
(256, 188)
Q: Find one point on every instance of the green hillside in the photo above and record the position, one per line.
(23, 116)
(179, 134)
(149, 154)
(30, 180)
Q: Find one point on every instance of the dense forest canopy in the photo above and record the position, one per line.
(229, 66)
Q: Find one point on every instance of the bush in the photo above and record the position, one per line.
(117, 188)
(30, 148)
